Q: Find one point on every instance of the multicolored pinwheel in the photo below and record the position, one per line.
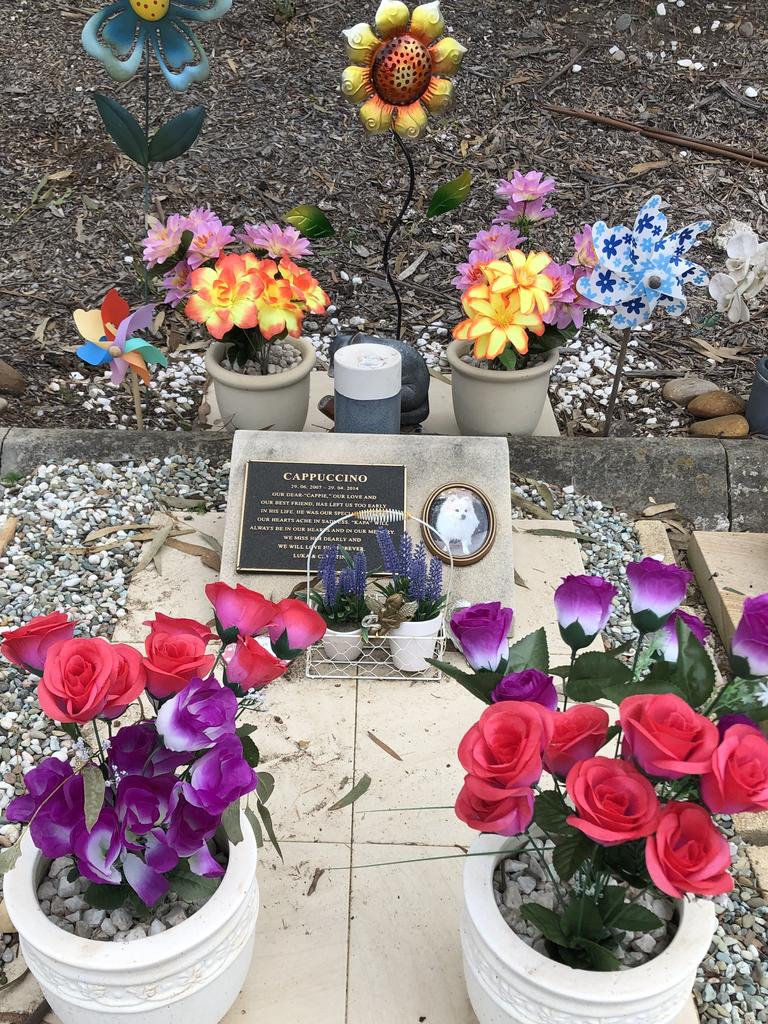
(109, 337)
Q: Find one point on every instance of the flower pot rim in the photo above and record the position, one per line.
(456, 349)
(20, 890)
(356, 630)
(424, 623)
(695, 930)
(259, 382)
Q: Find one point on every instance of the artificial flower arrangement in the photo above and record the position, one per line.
(519, 304)
(746, 274)
(139, 805)
(247, 298)
(414, 592)
(341, 597)
(611, 827)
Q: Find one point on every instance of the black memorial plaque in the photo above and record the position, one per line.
(286, 504)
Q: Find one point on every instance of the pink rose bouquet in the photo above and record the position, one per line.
(140, 805)
(627, 807)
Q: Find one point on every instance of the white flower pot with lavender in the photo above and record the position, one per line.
(340, 600)
(410, 605)
(585, 896)
(133, 889)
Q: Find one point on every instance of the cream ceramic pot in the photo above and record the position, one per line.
(277, 401)
(494, 403)
(508, 982)
(192, 972)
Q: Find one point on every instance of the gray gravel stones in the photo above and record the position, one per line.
(74, 914)
(280, 357)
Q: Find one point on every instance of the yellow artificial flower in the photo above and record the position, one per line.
(397, 73)
(523, 276)
(495, 319)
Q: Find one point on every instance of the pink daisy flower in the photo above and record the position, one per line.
(276, 241)
(568, 306)
(496, 241)
(162, 240)
(176, 284)
(585, 254)
(471, 272)
(211, 237)
(523, 188)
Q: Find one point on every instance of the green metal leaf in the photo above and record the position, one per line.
(361, 786)
(310, 221)
(125, 130)
(450, 195)
(93, 783)
(230, 822)
(177, 135)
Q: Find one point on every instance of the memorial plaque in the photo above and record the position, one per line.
(286, 504)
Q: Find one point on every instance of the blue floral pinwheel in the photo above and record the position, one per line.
(119, 34)
(639, 269)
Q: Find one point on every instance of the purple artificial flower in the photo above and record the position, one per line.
(471, 272)
(655, 590)
(143, 803)
(360, 573)
(435, 580)
(162, 240)
(276, 241)
(328, 578)
(530, 684)
(158, 853)
(406, 556)
(585, 254)
(197, 716)
(220, 776)
(202, 862)
(417, 578)
(522, 188)
(725, 722)
(583, 607)
(189, 824)
(97, 851)
(388, 552)
(525, 212)
(138, 750)
(177, 284)
(148, 884)
(209, 236)
(496, 242)
(668, 644)
(481, 632)
(567, 306)
(53, 805)
(749, 645)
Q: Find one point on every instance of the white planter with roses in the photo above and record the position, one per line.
(626, 826)
(150, 809)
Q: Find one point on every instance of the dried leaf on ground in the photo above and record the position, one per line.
(384, 746)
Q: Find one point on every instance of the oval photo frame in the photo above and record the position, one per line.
(464, 515)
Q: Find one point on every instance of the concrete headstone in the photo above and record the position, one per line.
(430, 462)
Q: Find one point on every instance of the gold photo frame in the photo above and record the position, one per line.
(465, 516)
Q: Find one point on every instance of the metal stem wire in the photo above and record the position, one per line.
(395, 225)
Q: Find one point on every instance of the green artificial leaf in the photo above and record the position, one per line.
(230, 822)
(176, 136)
(508, 358)
(265, 787)
(8, 856)
(613, 732)
(633, 918)
(479, 684)
(250, 751)
(450, 195)
(551, 339)
(73, 874)
(266, 819)
(125, 130)
(310, 221)
(694, 673)
(253, 821)
(360, 787)
(191, 887)
(227, 636)
(550, 812)
(530, 652)
(627, 862)
(93, 799)
(595, 675)
(660, 678)
(547, 921)
(611, 902)
(246, 729)
(581, 919)
(107, 897)
(597, 956)
(570, 853)
(70, 729)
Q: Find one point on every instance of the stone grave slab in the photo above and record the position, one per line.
(430, 462)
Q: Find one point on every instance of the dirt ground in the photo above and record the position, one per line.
(279, 133)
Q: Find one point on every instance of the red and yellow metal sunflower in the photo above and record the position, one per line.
(400, 74)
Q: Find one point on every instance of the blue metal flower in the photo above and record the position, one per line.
(639, 269)
(120, 34)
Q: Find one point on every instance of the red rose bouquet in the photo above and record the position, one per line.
(613, 811)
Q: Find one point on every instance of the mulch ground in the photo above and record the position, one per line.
(278, 133)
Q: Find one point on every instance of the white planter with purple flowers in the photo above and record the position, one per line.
(193, 971)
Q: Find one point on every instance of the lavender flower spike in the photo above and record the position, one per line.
(417, 588)
(435, 580)
(360, 572)
(327, 573)
(388, 552)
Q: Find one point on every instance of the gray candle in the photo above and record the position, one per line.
(367, 382)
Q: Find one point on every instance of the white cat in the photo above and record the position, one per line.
(457, 520)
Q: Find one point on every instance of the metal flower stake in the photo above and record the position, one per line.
(128, 32)
(638, 270)
(398, 74)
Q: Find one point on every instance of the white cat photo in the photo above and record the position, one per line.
(457, 520)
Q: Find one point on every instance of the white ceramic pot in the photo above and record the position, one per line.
(192, 972)
(510, 983)
(412, 642)
(341, 646)
(278, 401)
(494, 403)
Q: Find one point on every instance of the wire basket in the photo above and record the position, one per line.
(399, 655)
